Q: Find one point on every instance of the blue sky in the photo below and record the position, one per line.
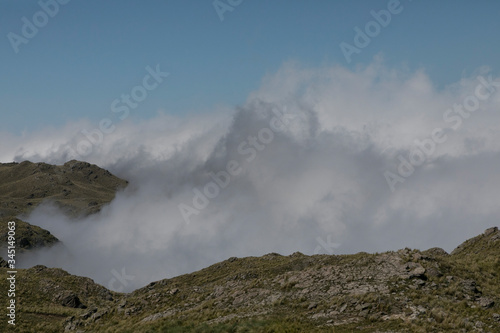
(91, 52)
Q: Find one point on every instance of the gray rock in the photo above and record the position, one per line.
(69, 299)
(312, 306)
(420, 283)
(98, 315)
(416, 270)
(87, 315)
(434, 272)
(470, 286)
(490, 231)
(486, 302)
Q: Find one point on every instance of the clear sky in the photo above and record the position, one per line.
(91, 52)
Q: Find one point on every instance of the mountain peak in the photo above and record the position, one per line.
(77, 187)
(487, 242)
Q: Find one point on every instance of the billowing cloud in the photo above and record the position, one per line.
(317, 160)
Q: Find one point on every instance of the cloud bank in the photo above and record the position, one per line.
(303, 165)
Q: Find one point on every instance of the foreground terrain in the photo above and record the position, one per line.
(403, 291)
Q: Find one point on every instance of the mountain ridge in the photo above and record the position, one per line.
(77, 187)
(396, 291)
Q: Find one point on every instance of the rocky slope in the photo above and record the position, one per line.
(78, 188)
(403, 291)
(28, 236)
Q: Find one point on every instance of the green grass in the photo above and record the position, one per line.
(77, 187)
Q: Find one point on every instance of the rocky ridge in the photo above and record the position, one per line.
(402, 291)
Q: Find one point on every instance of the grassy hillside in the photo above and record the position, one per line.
(28, 236)
(78, 188)
(403, 291)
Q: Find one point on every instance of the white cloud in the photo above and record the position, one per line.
(322, 175)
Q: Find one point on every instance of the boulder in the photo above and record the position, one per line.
(69, 299)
